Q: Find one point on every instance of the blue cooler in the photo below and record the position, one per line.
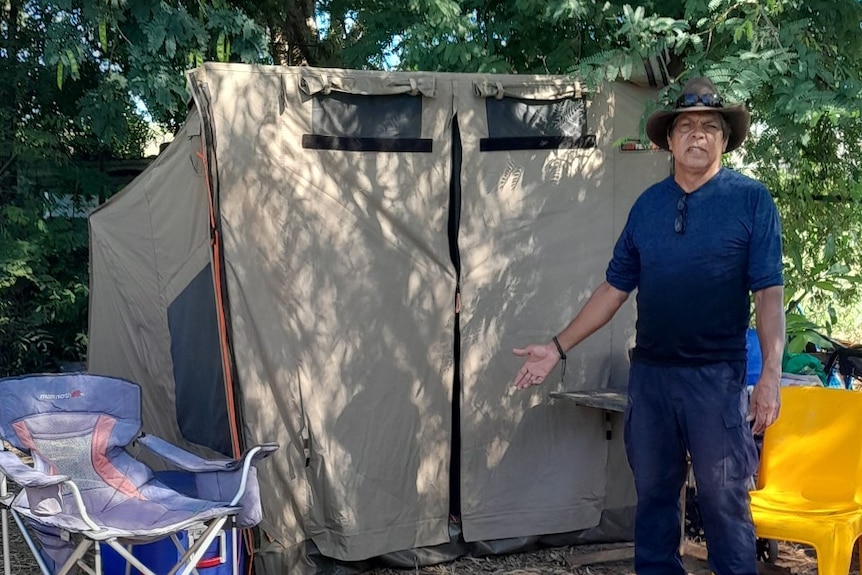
(160, 556)
(753, 357)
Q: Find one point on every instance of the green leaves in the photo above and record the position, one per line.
(153, 44)
(43, 281)
(222, 47)
(800, 332)
(103, 35)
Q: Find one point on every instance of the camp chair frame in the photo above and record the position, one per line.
(54, 502)
(190, 556)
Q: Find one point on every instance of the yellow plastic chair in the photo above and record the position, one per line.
(809, 488)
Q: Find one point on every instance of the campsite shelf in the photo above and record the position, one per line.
(608, 401)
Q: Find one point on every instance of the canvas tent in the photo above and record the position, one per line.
(341, 262)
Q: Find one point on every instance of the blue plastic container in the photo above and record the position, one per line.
(753, 357)
(160, 556)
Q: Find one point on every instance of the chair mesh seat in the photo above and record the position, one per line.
(123, 516)
(69, 456)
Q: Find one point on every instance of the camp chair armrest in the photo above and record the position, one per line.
(43, 490)
(261, 451)
(190, 462)
(24, 475)
(183, 459)
(248, 459)
(231, 481)
(186, 460)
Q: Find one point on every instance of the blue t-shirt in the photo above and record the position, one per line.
(693, 287)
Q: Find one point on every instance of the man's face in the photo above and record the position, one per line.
(697, 141)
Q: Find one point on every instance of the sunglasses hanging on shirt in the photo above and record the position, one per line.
(682, 212)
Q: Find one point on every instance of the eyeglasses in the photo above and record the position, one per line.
(682, 212)
(708, 100)
(687, 125)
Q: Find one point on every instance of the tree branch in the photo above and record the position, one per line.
(8, 163)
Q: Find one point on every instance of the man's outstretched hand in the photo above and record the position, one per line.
(541, 359)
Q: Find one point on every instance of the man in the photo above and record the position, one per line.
(694, 245)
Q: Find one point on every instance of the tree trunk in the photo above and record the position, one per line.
(9, 128)
(293, 34)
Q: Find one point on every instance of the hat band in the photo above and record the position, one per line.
(708, 100)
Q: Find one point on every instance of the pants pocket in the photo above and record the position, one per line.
(740, 457)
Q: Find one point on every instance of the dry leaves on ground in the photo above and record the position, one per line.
(793, 559)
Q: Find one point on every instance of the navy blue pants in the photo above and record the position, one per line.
(700, 410)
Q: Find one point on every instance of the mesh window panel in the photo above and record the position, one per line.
(516, 124)
(199, 386)
(359, 123)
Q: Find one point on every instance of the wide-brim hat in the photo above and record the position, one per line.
(699, 95)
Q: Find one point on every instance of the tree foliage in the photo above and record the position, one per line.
(43, 259)
(81, 79)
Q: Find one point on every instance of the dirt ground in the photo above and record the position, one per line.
(598, 560)
(580, 560)
(612, 559)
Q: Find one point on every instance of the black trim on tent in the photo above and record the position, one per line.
(454, 226)
(345, 144)
(537, 143)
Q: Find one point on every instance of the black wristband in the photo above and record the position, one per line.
(562, 357)
(559, 348)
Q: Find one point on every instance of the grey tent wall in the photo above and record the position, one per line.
(151, 293)
(538, 226)
(341, 305)
(532, 221)
(636, 168)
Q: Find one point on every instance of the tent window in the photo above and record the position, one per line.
(359, 123)
(198, 376)
(517, 124)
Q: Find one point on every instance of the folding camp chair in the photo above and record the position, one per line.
(85, 489)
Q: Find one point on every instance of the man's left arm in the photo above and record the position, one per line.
(766, 397)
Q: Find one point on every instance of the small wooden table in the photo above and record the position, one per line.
(608, 401)
(603, 399)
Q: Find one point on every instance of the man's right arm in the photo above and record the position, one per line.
(603, 304)
(541, 358)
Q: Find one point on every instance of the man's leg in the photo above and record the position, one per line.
(724, 459)
(657, 457)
